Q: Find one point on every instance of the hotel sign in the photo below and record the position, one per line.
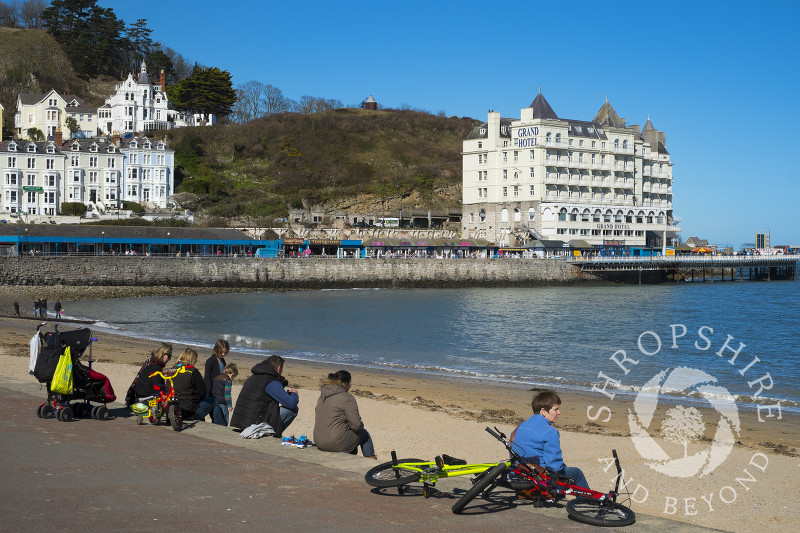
(613, 226)
(526, 137)
(32, 189)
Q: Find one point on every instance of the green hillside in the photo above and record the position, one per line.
(350, 159)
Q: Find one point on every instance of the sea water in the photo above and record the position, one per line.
(743, 334)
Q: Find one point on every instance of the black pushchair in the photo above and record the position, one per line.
(87, 385)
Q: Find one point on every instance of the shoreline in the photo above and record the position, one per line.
(424, 415)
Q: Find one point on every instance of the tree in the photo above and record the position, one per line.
(35, 134)
(138, 35)
(91, 36)
(157, 61)
(181, 68)
(72, 126)
(9, 15)
(206, 91)
(248, 102)
(311, 104)
(30, 14)
(683, 425)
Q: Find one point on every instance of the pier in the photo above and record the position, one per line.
(661, 269)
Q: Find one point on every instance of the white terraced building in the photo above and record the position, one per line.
(547, 178)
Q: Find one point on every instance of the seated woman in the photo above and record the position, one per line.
(337, 424)
(536, 437)
(190, 389)
(142, 386)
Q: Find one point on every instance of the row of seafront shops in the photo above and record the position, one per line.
(84, 239)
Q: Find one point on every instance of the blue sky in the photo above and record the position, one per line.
(720, 78)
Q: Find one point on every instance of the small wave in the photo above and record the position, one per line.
(256, 343)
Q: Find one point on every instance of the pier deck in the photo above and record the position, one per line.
(658, 269)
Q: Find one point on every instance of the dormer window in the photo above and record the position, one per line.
(12, 146)
(146, 145)
(50, 149)
(75, 147)
(31, 148)
(93, 148)
(134, 144)
(160, 145)
(112, 149)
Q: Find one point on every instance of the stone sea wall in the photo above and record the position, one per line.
(293, 273)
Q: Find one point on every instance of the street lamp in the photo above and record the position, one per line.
(168, 234)
(103, 246)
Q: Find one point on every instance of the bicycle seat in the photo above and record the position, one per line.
(452, 461)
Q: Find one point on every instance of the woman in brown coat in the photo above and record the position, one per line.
(337, 424)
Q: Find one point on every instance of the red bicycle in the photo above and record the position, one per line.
(546, 486)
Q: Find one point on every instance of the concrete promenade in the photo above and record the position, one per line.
(99, 476)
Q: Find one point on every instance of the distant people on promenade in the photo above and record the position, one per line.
(16, 308)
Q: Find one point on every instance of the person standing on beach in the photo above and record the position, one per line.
(337, 423)
(215, 366)
(264, 398)
(536, 437)
(16, 308)
(57, 308)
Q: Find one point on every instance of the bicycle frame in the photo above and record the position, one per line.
(431, 471)
(548, 482)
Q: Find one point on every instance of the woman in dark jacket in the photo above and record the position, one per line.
(142, 385)
(190, 390)
(337, 424)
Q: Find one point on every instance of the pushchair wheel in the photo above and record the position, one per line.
(94, 411)
(100, 412)
(39, 410)
(66, 415)
(47, 411)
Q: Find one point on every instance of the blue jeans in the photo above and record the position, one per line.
(365, 441)
(576, 474)
(205, 407)
(287, 416)
(220, 414)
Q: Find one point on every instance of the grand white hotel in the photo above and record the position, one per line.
(544, 177)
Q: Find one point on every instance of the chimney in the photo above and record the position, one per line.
(58, 138)
(163, 81)
(115, 139)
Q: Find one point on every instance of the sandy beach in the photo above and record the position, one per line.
(753, 487)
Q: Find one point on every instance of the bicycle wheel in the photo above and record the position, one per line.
(174, 416)
(600, 513)
(387, 475)
(481, 484)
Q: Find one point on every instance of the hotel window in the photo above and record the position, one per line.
(593, 158)
(50, 181)
(31, 162)
(505, 174)
(505, 157)
(75, 160)
(93, 161)
(50, 163)
(603, 145)
(505, 192)
(516, 175)
(93, 176)
(480, 144)
(31, 198)
(532, 174)
(12, 162)
(480, 158)
(50, 197)
(516, 155)
(531, 190)
(516, 191)
(531, 213)
(31, 180)
(530, 157)
(580, 142)
(480, 192)
(112, 162)
(558, 138)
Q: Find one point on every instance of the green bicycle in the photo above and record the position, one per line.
(397, 473)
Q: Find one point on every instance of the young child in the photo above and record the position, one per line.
(221, 390)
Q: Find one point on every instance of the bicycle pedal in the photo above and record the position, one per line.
(439, 462)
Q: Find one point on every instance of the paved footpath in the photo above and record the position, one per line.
(113, 475)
